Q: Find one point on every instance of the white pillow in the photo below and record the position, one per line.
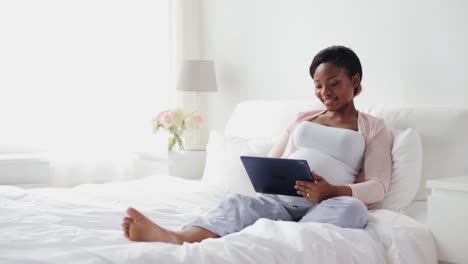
(406, 170)
(225, 170)
(223, 166)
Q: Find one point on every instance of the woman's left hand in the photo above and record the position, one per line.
(317, 191)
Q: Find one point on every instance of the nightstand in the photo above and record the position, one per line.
(147, 164)
(447, 215)
(187, 164)
(26, 170)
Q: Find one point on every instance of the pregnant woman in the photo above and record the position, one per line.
(348, 151)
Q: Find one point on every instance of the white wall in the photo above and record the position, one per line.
(412, 52)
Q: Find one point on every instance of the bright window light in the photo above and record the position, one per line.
(82, 76)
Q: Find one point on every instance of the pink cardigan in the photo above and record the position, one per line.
(374, 179)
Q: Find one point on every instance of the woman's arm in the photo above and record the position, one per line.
(377, 170)
(278, 149)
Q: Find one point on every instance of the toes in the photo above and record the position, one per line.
(134, 214)
(126, 229)
(128, 220)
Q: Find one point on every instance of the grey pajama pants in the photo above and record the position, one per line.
(238, 211)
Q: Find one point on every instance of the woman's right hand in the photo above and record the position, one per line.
(317, 191)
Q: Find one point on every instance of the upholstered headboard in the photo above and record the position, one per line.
(443, 130)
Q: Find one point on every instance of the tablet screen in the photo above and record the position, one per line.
(275, 175)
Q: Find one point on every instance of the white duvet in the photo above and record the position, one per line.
(82, 225)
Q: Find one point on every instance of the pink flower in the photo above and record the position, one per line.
(198, 119)
(193, 120)
(166, 119)
(158, 115)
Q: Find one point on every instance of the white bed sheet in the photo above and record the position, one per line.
(418, 211)
(82, 225)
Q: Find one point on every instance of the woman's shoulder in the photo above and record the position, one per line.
(371, 125)
(372, 119)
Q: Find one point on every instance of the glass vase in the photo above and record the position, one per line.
(175, 139)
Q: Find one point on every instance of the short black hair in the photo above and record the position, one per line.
(339, 56)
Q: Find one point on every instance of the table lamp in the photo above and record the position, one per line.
(197, 76)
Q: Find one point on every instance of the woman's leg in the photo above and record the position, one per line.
(232, 215)
(138, 227)
(239, 211)
(342, 211)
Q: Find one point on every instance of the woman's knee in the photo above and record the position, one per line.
(342, 211)
(233, 196)
(237, 197)
(352, 212)
(239, 200)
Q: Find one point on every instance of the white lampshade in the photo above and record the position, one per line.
(197, 76)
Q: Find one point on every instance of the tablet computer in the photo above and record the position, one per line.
(275, 175)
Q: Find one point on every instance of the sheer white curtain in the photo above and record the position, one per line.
(81, 80)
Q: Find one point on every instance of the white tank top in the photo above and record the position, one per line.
(334, 153)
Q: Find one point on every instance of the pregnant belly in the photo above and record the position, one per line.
(331, 169)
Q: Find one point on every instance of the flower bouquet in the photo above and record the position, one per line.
(176, 121)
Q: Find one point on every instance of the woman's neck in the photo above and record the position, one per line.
(347, 112)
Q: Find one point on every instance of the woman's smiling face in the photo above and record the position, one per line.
(333, 86)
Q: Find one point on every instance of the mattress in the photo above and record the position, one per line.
(83, 225)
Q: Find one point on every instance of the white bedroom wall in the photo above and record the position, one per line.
(412, 52)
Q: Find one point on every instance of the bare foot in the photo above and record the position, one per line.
(138, 227)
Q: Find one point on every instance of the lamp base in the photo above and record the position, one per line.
(192, 140)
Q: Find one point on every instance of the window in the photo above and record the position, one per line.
(83, 78)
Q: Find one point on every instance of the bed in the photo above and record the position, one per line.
(82, 224)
